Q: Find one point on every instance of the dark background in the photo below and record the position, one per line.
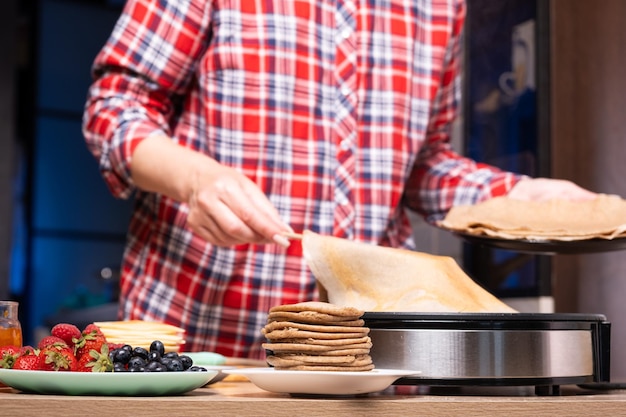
(514, 135)
(66, 225)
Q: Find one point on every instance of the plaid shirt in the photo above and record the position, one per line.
(339, 110)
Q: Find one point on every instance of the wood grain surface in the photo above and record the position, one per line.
(244, 399)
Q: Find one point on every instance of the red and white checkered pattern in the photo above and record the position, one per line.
(339, 110)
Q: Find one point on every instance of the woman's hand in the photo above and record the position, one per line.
(540, 189)
(225, 207)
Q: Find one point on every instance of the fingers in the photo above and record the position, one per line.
(231, 210)
(540, 189)
(258, 212)
(221, 227)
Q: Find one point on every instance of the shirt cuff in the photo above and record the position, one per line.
(116, 161)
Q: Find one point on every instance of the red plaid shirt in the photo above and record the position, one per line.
(339, 110)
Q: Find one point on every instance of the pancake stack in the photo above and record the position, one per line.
(317, 336)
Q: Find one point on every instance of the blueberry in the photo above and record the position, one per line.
(157, 346)
(155, 367)
(140, 352)
(175, 365)
(186, 360)
(154, 356)
(136, 362)
(171, 355)
(121, 356)
(119, 367)
(112, 354)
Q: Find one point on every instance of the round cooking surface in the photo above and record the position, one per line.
(491, 348)
(537, 321)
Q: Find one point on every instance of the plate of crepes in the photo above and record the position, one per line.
(553, 226)
(317, 348)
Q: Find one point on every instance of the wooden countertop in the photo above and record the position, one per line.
(243, 398)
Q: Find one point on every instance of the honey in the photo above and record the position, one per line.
(10, 328)
(10, 337)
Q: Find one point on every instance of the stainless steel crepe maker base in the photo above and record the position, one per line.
(508, 349)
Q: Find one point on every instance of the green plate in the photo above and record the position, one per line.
(106, 383)
(206, 358)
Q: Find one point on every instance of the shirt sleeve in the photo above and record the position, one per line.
(140, 76)
(441, 178)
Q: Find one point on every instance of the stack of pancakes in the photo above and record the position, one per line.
(317, 336)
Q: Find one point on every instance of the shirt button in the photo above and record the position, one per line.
(345, 144)
(346, 91)
(345, 34)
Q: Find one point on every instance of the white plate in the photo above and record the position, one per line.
(321, 382)
(106, 383)
(220, 372)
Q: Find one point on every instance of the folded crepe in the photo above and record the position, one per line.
(375, 278)
(601, 218)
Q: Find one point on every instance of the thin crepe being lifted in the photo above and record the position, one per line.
(601, 218)
(375, 278)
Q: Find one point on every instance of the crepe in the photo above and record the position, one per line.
(142, 333)
(601, 218)
(375, 278)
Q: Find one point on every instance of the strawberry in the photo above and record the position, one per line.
(91, 328)
(85, 364)
(95, 361)
(92, 339)
(10, 349)
(27, 363)
(90, 344)
(53, 358)
(8, 355)
(68, 332)
(51, 341)
(113, 346)
(28, 350)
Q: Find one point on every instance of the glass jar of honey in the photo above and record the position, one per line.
(10, 328)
